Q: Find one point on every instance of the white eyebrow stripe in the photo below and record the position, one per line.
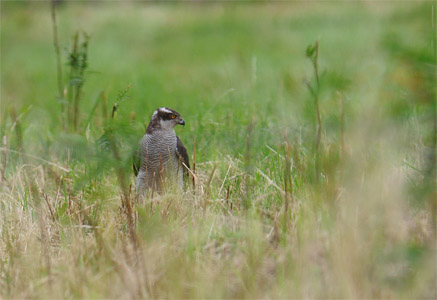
(165, 110)
(155, 113)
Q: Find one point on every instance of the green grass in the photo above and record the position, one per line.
(261, 225)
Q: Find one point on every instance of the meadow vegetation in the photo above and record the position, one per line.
(312, 128)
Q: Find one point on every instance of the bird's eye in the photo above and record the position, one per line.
(173, 116)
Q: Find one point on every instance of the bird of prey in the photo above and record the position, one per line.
(159, 158)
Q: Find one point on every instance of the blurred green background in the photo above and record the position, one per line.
(224, 64)
(238, 74)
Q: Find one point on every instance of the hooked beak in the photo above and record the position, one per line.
(182, 122)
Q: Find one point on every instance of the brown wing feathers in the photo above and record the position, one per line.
(181, 151)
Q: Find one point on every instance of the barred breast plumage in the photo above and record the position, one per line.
(160, 155)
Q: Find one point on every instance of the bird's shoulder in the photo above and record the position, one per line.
(181, 151)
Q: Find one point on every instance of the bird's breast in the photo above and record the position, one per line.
(158, 150)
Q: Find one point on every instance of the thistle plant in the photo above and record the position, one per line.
(78, 62)
(70, 97)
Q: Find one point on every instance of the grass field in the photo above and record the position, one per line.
(276, 211)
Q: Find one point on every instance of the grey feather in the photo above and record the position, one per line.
(158, 161)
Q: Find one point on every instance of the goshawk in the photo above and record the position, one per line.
(158, 162)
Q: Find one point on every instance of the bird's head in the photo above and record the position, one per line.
(165, 118)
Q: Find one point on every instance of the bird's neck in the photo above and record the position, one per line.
(169, 132)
